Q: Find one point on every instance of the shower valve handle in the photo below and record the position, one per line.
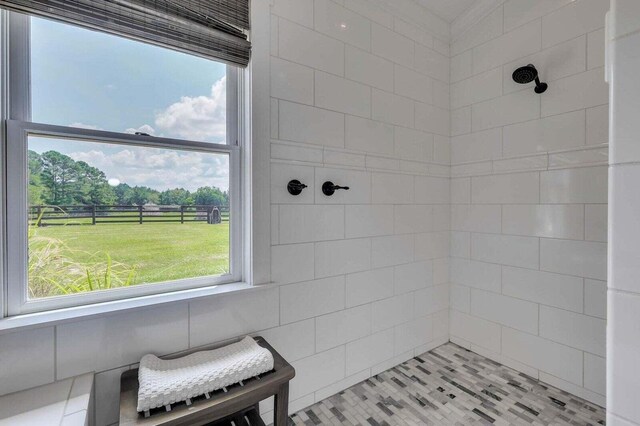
(295, 187)
(328, 188)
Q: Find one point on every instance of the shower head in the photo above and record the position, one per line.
(527, 74)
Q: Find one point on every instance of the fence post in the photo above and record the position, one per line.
(93, 214)
(140, 212)
(38, 219)
(181, 214)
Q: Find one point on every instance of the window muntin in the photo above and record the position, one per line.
(204, 161)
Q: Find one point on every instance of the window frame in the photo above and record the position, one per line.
(17, 127)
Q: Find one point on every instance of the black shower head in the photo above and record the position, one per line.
(527, 74)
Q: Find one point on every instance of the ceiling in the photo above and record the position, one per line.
(447, 9)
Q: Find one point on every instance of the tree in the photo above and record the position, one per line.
(141, 195)
(57, 179)
(92, 186)
(177, 196)
(37, 190)
(210, 196)
(59, 176)
(123, 194)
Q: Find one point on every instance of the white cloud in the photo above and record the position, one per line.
(160, 168)
(94, 158)
(197, 118)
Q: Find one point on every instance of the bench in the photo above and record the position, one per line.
(237, 404)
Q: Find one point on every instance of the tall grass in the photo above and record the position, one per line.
(51, 271)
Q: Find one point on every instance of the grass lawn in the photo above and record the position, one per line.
(158, 251)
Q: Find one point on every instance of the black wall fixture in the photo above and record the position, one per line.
(328, 188)
(527, 74)
(295, 187)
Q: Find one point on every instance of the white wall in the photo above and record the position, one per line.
(360, 97)
(529, 192)
(623, 332)
(361, 278)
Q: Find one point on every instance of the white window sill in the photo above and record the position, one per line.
(58, 316)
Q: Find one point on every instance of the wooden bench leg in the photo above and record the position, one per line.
(281, 408)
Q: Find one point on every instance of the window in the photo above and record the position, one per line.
(123, 168)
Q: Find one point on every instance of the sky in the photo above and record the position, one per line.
(88, 79)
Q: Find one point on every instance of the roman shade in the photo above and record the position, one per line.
(212, 29)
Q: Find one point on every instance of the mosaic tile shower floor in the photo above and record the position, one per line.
(451, 386)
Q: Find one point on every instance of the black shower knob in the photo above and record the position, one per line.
(295, 187)
(328, 188)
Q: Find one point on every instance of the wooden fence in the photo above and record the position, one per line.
(97, 214)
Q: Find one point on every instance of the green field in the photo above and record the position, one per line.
(71, 259)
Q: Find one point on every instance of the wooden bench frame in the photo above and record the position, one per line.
(221, 405)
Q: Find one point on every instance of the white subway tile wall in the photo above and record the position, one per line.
(623, 333)
(28, 359)
(368, 265)
(529, 192)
